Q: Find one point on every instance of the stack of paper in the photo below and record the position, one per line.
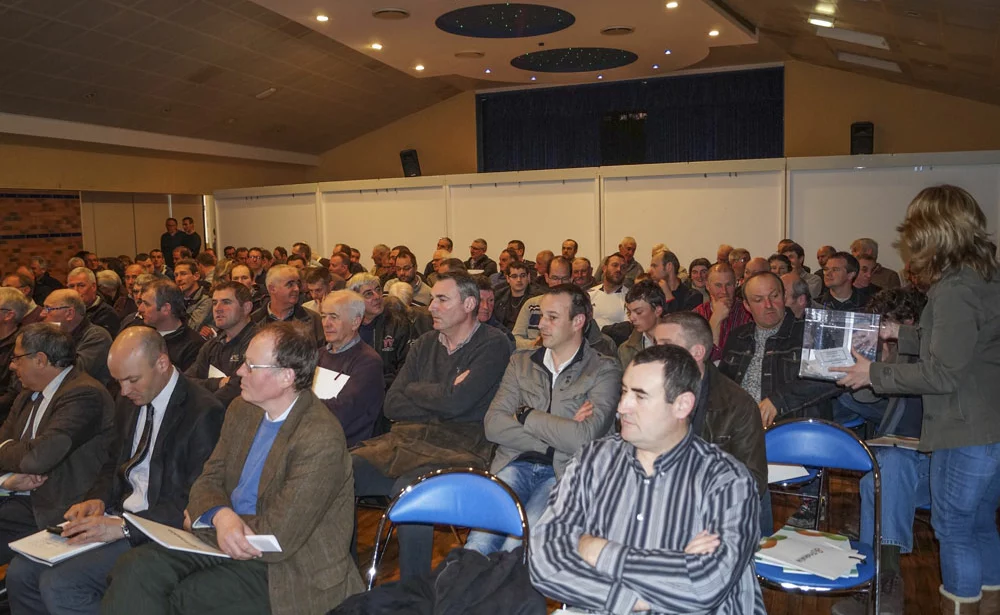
(800, 551)
(47, 548)
(179, 540)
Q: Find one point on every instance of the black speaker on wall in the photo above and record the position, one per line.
(623, 138)
(862, 138)
(411, 165)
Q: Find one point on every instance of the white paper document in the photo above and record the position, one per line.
(215, 372)
(820, 553)
(327, 384)
(47, 548)
(180, 540)
(779, 473)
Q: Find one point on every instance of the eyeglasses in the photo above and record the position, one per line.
(251, 366)
(557, 278)
(53, 308)
(23, 354)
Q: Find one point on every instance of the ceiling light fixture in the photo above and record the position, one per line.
(869, 61)
(390, 14)
(656, 67)
(488, 71)
(418, 67)
(822, 22)
(713, 33)
(857, 38)
(533, 77)
(666, 52)
(266, 93)
(600, 76)
(824, 8)
(671, 5)
(377, 46)
(322, 18)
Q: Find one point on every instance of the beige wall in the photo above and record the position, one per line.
(50, 164)
(821, 103)
(444, 136)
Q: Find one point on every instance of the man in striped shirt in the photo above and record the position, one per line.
(653, 519)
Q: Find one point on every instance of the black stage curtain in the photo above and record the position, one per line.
(717, 116)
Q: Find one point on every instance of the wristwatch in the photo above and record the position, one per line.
(125, 531)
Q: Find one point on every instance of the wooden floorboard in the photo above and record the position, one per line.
(920, 569)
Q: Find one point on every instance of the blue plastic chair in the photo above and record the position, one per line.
(821, 444)
(463, 497)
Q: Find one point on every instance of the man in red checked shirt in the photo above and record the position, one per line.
(722, 311)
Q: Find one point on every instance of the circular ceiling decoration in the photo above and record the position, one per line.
(574, 60)
(505, 20)
(390, 14)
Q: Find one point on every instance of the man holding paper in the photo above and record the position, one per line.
(55, 439)
(349, 377)
(165, 428)
(220, 357)
(280, 468)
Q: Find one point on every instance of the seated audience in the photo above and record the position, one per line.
(66, 309)
(437, 403)
(437, 257)
(583, 273)
(615, 536)
(165, 428)
(630, 267)
(758, 264)
(13, 307)
(385, 331)
(499, 279)
(283, 302)
(537, 418)
(206, 267)
(797, 297)
(487, 301)
(318, 282)
(129, 307)
(542, 261)
(281, 468)
(569, 249)
(608, 298)
(779, 264)
(797, 256)
(162, 269)
(406, 273)
(25, 285)
(510, 298)
(738, 259)
(478, 259)
(883, 277)
(380, 258)
(340, 265)
(84, 282)
(55, 439)
(866, 265)
(518, 246)
(44, 282)
(231, 309)
(356, 366)
(838, 275)
(723, 312)
(723, 252)
(353, 259)
(645, 305)
(664, 270)
(197, 302)
(698, 277)
(162, 308)
(823, 254)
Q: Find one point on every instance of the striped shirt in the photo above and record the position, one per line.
(738, 316)
(648, 521)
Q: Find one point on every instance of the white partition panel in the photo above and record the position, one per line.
(414, 217)
(836, 206)
(268, 220)
(693, 214)
(540, 213)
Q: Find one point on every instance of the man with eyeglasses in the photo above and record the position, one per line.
(66, 309)
(56, 438)
(509, 299)
(13, 307)
(167, 427)
(478, 258)
(608, 298)
(283, 289)
(738, 259)
(281, 467)
(232, 305)
(355, 368)
(255, 262)
(406, 272)
(388, 332)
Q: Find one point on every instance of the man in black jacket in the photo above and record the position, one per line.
(478, 258)
(162, 307)
(44, 282)
(386, 331)
(99, 311)
(165, 428)
(55, 440)
(509, 298)
(232, 304)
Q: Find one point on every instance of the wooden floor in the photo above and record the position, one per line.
(920, 568)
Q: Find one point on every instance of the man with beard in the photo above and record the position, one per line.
(608, 299)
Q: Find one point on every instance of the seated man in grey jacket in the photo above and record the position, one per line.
(552, 401)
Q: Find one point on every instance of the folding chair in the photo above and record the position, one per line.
(821, 444)
(463, 497)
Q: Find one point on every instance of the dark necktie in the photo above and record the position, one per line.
(141, 451)
(26, 434)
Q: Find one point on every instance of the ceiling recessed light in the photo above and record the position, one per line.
(713, 33)
(377, 46)
(390, 13)
(418, 67)
(671, 5)
(322, 18)
(656, 67)
(824, 8)
(600, 76)
(488, 71)
(822, 22)
(666, 52)
(533, 77)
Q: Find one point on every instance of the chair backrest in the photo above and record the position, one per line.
(817, 443)
(462, 497)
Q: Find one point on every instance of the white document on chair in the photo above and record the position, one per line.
(779, 472)
(327, 384)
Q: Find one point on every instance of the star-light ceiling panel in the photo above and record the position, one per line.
(505, 20)
(574, 60)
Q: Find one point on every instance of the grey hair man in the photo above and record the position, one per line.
(881, 276)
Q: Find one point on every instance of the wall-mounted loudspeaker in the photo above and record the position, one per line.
(862, 138)
(411, 165)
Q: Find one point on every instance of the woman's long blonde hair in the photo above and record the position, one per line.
(944, 230)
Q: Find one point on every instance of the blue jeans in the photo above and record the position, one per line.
(532, 482)
(905, 487)
(965, 485)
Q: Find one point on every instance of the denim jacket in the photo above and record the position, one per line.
(779, 370)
